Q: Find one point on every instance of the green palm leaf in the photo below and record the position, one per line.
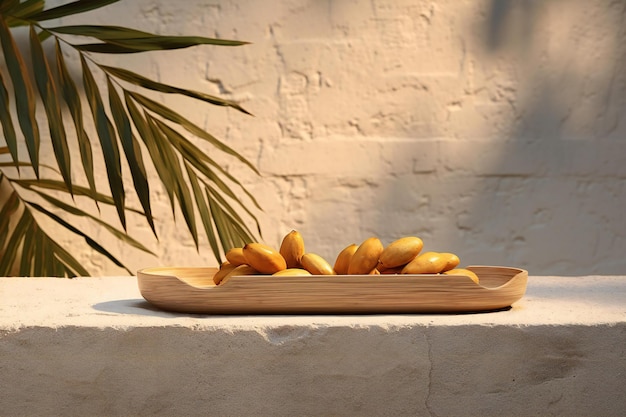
(7, 122)
(79, 6)
(201, 162)
(72, 99)
(105, 48)
(180, 189)
(28, 247)
(135, 40)
(61, 260)
(238, 228)
(78, 212)
(108, 140)
(24, 94)
(7, 5)
(91, 242)
(40, 254)
(6, 214)
(142, 81)
(49, 184)
(203, 209)
(247, 233)
(17, 12)
(155, 154)
(151, 135)
(49, 96)
(230, 237)
(132, 152)
(13, 245)
(195, 130)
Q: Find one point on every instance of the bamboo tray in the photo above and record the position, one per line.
(191, 290)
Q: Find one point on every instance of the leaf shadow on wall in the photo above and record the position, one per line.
(551, 199)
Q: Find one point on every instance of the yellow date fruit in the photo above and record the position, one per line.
(239, 270)
(292, 248)
(366, 257)
(389, 271)
(316, 265)
(452, 261)
(292, 272)
(225, 268)
(235, 256)
(343, 259)
(264, 258)
(463, 271)
(401, 251)
(426, 263)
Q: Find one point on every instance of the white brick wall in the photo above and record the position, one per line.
(496, 130)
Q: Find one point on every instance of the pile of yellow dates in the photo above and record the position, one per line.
(401, 256)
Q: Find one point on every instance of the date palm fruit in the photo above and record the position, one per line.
(366, 257)
(426, 263)
(235, 256)
(452, 261)
(225, 268)
(463, 271)
(343, 259)
(239, 270)
(292, 249)
(389, 271)
(316, 265)
(291, 272)
(401, 251)
(263, 258)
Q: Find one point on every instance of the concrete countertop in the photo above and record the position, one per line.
(116, 302)
(93, 346)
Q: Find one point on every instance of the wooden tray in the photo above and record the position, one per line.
(191, 290)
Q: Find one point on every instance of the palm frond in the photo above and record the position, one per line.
(7, 123)
(17, 12)
(108, 140)
(203, 209)
(146, 132)
(132, 150)
(28, 240)
(124, 40)
(72, 100)
(53, 201)
(144, 82)
(79, 6)
(24, 93)
(26, 249)
(90, 241)
(146, 135)
(171, 163)
(49, 96)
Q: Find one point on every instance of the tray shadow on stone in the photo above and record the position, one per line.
(136, 306)
(142, 307)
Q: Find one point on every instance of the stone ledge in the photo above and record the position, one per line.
(92, 346)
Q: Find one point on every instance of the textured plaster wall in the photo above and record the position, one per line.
(493, 129)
